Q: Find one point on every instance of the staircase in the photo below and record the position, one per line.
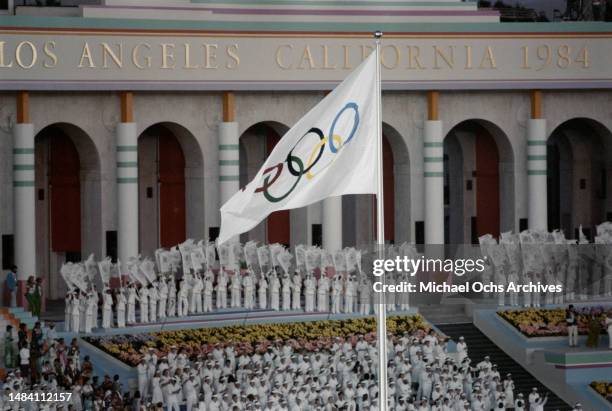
(16, 315)
(479, 346)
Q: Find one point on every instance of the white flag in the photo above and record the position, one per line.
(331, 151)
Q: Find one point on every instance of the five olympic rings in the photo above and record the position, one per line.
(296, 166)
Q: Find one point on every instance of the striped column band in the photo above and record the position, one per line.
(23, 167)
(229, 162)
(23, 156)
(536, 157)
(433, 158)
(127, 164)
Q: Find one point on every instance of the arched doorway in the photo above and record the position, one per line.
(256, 144)
(359, 211)
(478, 182)
(578, 173)
(162, 186)
(388, 194)
(68, 222)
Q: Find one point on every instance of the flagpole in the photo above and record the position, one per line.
(381, 326)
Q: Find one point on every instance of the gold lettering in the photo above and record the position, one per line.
(449, 60)
(306, 57)
(414, 58)
(488, 58)
(563, 52)
(210, 57)
(167, 55)
(583, 57)
(86, 55)
(33, 51)
(383, 60)
(2, 62)
(468, 57)
(279, 61)
(525, 65)
(232, 52)
(48, 50)
(107, 52)
(188, 57)
(346, 65)
(326, 65)
(136, 55)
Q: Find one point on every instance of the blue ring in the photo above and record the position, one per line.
(350, 105)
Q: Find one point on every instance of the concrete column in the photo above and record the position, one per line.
(127, 192)
(24, 206)
(229, 152)
(433, 164)
(536, 174)
(229, 161)
(332, 223)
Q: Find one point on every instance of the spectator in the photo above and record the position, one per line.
(24, 359)
(9, 348)
(11, 286)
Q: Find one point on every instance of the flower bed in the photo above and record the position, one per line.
(603, 388)
(549, 322)
(308, 336)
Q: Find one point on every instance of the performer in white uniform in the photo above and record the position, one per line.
(350, 290)
(143, 304)
(182, 306)
(462, 350)
(236, 284)
(163, 299)
(249, 291)
(286, 283)
(121, 303)
(68, 312)
(107, 310)
(263, 292)
(222, 289)
(208, 293)
(198, 291)
(296, 300)
(309, 293)
(91, 312)
(274, 291)
(365, 290)
(153, 298)
(322, 293)
(131, 304)
(171, 310)
(75, 311)
(337, 294)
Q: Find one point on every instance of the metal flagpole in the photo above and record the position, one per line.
(381, 326)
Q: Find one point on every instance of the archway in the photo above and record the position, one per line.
(169, 191)
(359, 211)
(68, 220)
(256, 143)
(478, 182)
(578, 175)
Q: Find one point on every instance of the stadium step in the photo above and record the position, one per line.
(479, 346)
(14, 316)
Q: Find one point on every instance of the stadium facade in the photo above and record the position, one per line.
(124, 127)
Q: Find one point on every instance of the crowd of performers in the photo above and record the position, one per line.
(422, 375)
(580, 268)
(184, 281)
(201, 277)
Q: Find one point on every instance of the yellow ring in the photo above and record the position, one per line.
(337, 140)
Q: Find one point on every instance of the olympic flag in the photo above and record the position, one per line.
(330, 151)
